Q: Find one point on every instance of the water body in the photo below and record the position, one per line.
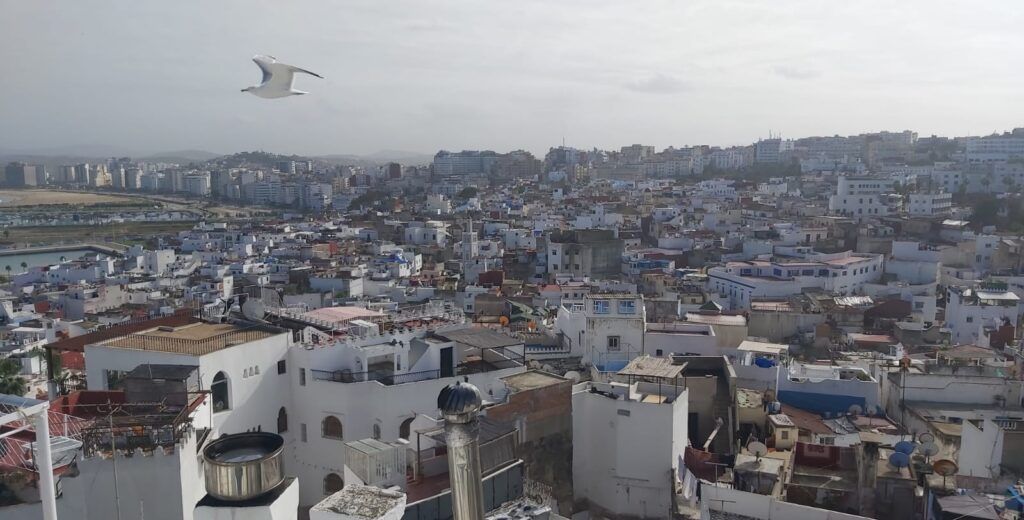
(41, 258)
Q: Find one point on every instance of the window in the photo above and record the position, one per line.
(970, 319)
(219, 389)
(376, 431)
(405, 429)
(627, 307)
(658, 353)
(302, 432)
(331, 428)
(918, 305)
(333, 483)
(807, 272)
(613, 343)
(601, 307)
(302, 377)
(282, 367)
(822, 272)
(784, 435)
(282, 420)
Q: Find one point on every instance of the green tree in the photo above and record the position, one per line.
(467, 193)
(24, 265)
(10, 382)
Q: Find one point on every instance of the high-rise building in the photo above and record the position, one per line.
(393, 170)
(20, 175)
(464, 163)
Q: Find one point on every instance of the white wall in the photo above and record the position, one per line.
(624, 452)
(761, 507)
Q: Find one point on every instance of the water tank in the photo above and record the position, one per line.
(243, 466)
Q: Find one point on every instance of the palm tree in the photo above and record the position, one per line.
(10, 382)
(63, 259)
(24, 265)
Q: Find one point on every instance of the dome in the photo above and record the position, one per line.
(459, 398)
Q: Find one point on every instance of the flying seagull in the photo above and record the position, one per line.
(278, 78)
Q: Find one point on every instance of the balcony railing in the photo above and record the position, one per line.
(385, 378)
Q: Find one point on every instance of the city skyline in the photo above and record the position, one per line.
(440, 75)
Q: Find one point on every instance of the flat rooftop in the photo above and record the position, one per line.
(194, 339)
(531, 380)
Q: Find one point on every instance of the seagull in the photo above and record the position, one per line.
(278, 78)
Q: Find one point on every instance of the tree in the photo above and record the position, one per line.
(10, 382)
(7, 233)
(467, 193)
(24, 265)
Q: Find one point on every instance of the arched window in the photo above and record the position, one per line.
(333, 483)
(405, 429)
(282, 420)
(219, 390)
(376, 431)
(331, 428)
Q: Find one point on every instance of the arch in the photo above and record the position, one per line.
(220, 390)
(333, 483)
(331, 428)
(282, 420)
(405, 429)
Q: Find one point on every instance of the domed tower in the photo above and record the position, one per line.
(460, 405)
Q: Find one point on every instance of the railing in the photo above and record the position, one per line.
(385, 378)
(193, 347)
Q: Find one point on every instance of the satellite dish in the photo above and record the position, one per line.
(929, 449)
(253, 309)
(945, 467)
(925, 438)
(573, 376)
(758, 449)
(855, 409)
(905, 447)
(899, 460)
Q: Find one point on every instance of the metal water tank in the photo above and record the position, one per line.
(243, 466)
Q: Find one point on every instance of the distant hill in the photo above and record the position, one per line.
(381, 157)
(180, 156)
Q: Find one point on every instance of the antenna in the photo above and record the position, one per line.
(253, 309)
(925, 438)
(905, 447)
(899, 460)
(946, 468)
(929, 449)
(758, 449)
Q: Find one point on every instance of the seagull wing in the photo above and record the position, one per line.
(276, 76)
(265, 63)
(304, 71)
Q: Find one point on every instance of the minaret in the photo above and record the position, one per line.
(460, 406)
(470, 245)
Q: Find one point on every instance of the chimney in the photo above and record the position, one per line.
(460, 406)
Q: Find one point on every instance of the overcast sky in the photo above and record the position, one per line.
(146, 76)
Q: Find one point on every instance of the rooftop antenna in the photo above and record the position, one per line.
(758, 449)
(946, 468)
(899, 460)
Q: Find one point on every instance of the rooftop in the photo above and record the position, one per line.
(195, 339)
(480, 337)
(648, 366)
(358, 502)
(531, 379)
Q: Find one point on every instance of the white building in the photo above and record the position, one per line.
(841, 273)
(970, 310)
(628, 444)
(606, 330)
(354, 383)
(930, 204)
(861, 197)
(996, 148)
(431, 232)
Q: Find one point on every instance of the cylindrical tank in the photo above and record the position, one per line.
(243, 466)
